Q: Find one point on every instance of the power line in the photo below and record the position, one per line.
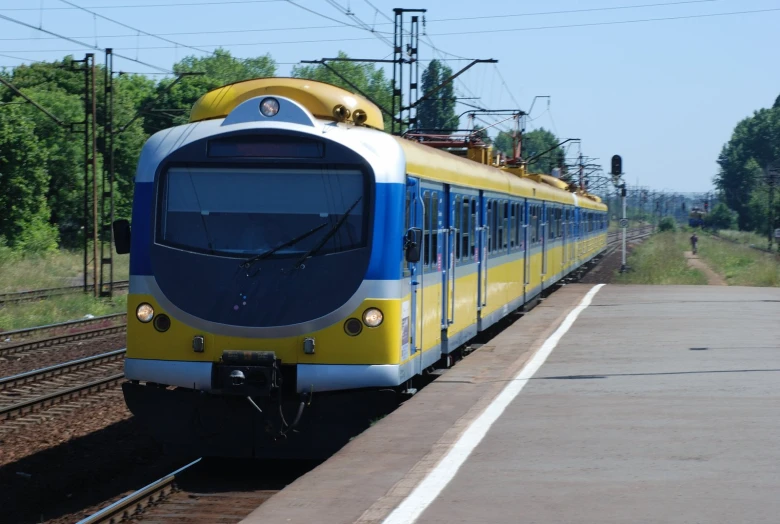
(361, 23)
(143, 6)
(77, 42)
(321, 15)
(616, 22)
(132, 28)
(582, 10)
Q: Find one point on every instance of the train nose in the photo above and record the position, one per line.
(237, 377)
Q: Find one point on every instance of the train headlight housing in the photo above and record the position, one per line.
(144, 312)
(373, 317)
(269, 107)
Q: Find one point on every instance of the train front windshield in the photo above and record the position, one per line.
(238, 212)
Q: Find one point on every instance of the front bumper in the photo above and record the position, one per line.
(309, 377)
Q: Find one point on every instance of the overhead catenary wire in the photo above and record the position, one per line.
(78, 42)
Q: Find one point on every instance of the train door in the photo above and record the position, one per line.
(526, 248)
(543, 232)
(411, 320)
(430, 307)
(482, 264)
(449, 235)
(564, 238)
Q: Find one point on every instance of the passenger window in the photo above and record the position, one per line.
(456, 224)
(426, 228)
(474, 222)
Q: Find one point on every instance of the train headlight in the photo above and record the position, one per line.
(372, 317)
(144, 312)
(269, 107)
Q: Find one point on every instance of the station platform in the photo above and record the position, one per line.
(602, 405)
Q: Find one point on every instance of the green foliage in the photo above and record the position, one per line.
(538, 141)
(367, 77)
(740, 264)
(503, 143)
(24, 181)
(667, 224)
(661, 261)
(721, 217)
(754, 144)
(171, 105)
(438, 111)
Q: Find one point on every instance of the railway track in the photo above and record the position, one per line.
(615, 238)
(33, 391)
(22, 340)
(39, 294)
(188, 495)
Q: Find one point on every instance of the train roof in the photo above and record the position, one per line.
(321, 99)
(329, 102)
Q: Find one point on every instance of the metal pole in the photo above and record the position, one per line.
(623, 198)
(95, 217)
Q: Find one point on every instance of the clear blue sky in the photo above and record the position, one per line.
(663, 94)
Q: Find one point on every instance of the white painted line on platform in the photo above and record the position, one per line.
(438, 478)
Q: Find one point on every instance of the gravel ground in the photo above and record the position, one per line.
(44, 357)
(95, 454)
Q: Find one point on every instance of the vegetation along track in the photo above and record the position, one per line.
(22, 340)
(35, 390)
(38, 294)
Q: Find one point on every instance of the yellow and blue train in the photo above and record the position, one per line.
(286, 251)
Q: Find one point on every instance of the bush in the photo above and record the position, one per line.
(667, 224)
(721, 218)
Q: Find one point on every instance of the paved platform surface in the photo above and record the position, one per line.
(660, 404)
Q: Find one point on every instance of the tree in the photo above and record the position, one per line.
(438, 111)
(503, 143)
(366, 76)
(538, 141)
(721, 217)
(24, 179)
(171, 105)
(754, 144)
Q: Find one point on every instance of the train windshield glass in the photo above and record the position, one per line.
(249, 211)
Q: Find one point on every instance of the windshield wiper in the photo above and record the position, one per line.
(328, 236)
(249, 261)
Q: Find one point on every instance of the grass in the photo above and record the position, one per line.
(660, 260)
(58, 309)
(20, 272)
(740, 264)
(744, 237)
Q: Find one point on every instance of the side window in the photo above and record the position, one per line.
(434, 229)
(426, 228)
(534, 225)
(457, 225)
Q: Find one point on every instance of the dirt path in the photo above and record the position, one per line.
(713, 279)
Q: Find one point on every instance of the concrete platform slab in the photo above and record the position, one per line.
(660, 404)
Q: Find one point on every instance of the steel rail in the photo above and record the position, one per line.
(37, 294)
(59, 369)
(57, 397)
(136, 502)
(60, 339)
(25, 332)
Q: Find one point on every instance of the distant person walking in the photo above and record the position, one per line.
(694, 242)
